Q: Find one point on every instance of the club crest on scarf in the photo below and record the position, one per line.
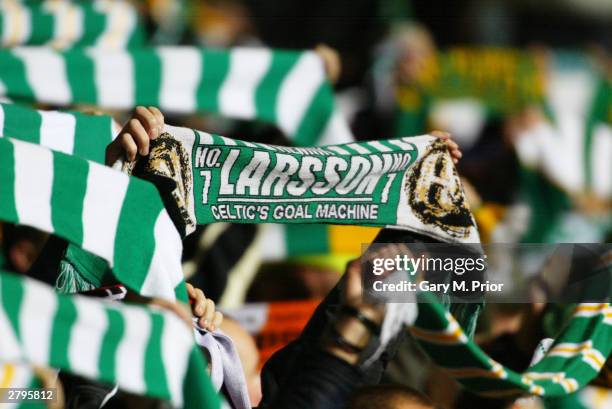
(435, 193)
(168, 167)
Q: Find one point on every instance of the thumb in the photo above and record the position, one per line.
(353, 285)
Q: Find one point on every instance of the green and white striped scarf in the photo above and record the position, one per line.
(575, 358)
(143, 351)
(64, 23)
(107, 213)
(286, 88)
(574, 151)
(85, 136)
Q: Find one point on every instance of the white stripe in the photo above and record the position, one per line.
(67, 23)
(165, 271)
(379, 146)
(130, 356)
(36, 321)
(46, 74)
(106, 190)
(114, 77)
(10, 349)
(360, 149)
(337, 149)
(273, 242)
(17, 23)
(601, 165)
(247, 68)
(205, 138)
(181, 70)
(33, 185)
(336, 131)
(57, 131)
(121, 19)
(1, 121)
(176, 345)
(228, 141)
(249, 144)
(86, 337)
(401, 144)
(297, 91)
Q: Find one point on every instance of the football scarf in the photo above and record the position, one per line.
(408, 183)
(573, 152)
(64, 23)
(105, 212)
(82, 135)
(574, 359)
(143, 351)
(285, 88)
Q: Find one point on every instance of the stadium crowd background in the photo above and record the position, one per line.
(485, 71)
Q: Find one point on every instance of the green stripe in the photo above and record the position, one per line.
(65, 317)
(8, 209)
(13, 75)
(136, 206)
(180, 291)
(316, 117)
(91, 135)
(217, 140)
(598, 113)
(11, 292)
(307, 239)
(81, 75)
(94, 24)
(198, 391)
(215, 65)
(137, 37)
(110, 343)
(22, 123)
(66, 209)
(42, 25)
(147, 75)
(154, 371)
(267, 91)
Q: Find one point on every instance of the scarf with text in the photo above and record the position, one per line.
(409, 183)
(286, 88)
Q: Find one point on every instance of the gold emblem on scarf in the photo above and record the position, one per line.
(435, 193)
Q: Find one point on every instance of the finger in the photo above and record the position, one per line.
(128, 146)
(148, 121)
(451, 144)
(140, 136)
(199, 303)
(440, 134)
(190, 290)
(353, 283)
(159, 116)
(217, 320)
(208, 315)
